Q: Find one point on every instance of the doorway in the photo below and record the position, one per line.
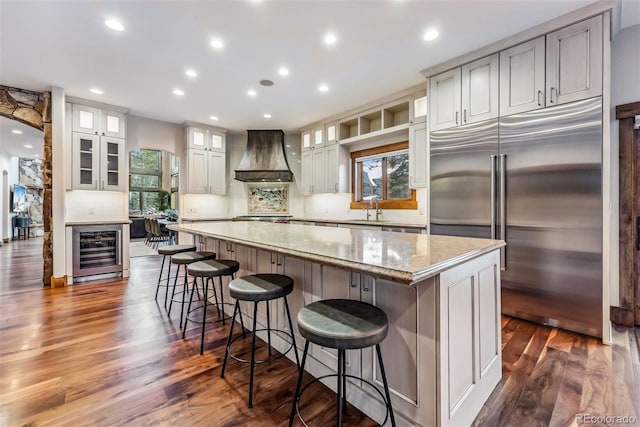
(628, 117)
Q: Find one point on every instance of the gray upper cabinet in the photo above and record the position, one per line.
(574, 62)
(464, 95)
(522, 77)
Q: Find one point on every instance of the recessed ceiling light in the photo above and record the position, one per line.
(17, 132)
(267, 116)
(114, 24)
(251, 92)
(283, 71)
(96, 91)
(213, 118)
(330, 38)
(431, 35)
(190, 72)
(36, 155)
(323, 87)
(217, 43)
(28, 146)
(178, 92)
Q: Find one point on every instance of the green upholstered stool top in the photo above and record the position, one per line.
(343, 323)
(260, 287)
(213, 267)
(175, 249)
(191, 257)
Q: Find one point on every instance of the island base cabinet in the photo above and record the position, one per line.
(469, 338)
(442, 353)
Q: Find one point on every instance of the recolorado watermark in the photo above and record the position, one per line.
(605, 419)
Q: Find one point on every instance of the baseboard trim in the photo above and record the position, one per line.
(58, 282)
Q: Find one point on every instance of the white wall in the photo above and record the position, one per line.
(155, 134)
(625, 88)
(86, 205)
(5, 209)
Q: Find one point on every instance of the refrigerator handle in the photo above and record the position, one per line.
(503, 209)
(492, 172)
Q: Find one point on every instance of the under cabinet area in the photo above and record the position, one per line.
(206, 161)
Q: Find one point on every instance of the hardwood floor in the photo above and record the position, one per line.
(21, 265)
(105, 353)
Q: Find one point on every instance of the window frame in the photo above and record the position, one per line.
(380, 152)
(145, 171)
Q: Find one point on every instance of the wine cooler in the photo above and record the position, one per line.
(97, 249)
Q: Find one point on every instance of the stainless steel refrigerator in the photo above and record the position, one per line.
(534, 180)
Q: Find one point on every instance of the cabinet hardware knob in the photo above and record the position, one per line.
(539, 102)
(464, 115)
(456, 117)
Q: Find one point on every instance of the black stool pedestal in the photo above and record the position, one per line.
(256, 288)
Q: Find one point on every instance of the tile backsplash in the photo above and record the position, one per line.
(268, 198)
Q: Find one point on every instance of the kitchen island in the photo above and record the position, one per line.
(441, 293)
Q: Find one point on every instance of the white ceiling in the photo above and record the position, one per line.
(14, 144)
(380, 50)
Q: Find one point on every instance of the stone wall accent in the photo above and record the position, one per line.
(34, 109)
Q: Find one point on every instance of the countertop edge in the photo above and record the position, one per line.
(111, 221)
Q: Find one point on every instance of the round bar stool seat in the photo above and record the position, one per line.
(175, 249)
(258, 288)
(207, 271)
(169, 251)
(342, 324)
(261, 287)
(184, 259)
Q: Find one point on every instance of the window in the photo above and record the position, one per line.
(145, 181)
(382, 173)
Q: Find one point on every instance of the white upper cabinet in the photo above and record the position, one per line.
(306, 140)
(480, 90)
(98, 122)
(418, 109)
(574, 62)
(522, 70)
(331, 133)
(203, 139)
(444, 99)
(418, 156)
(206, 161)
(318, 137)
(464, 95)
(99, 162)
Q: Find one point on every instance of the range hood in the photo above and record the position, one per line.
(264, 159)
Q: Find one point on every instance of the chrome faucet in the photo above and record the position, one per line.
(378, 211)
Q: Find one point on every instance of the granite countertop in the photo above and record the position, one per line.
(383, 223)
(401, 257)
(98, 222)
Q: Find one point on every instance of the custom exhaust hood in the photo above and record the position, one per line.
(264, 159)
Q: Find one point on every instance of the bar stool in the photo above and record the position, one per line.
(184, 259)
(344, 325)
(169, 251)
(208, 271)
(255, 288)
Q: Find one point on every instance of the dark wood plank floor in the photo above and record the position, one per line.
(105, 353)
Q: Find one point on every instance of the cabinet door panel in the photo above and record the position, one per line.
(444, 104)
(574, 62)
(337, 169)
(400, 347)
(197, 178)
(217, 173)
(522, 77)
(113, 173)
(480, 90)
(318, 184)
(86, 161)
(113, 124)
(418, 174)
(85, 119)
(306, 161)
